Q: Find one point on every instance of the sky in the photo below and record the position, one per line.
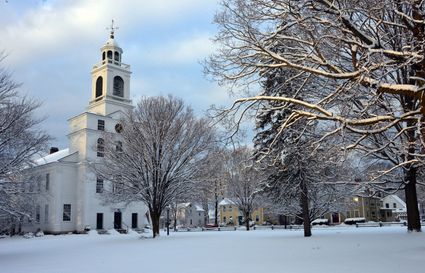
(52, 45)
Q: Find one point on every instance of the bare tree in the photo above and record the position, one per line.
(213, 177)
(156, 157)
(20, 140)
(243, 182)
(368, 54)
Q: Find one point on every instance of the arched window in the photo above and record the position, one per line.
(103, 55)
(100, 147)
(118, 86)
(110, 54)
(117, 56)
(99, 86)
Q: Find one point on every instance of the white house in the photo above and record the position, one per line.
(70, 192)
(398, 206)
(190, 215)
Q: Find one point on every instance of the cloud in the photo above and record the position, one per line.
(53, 26)
(184, 51)
(173, 52)
(53, 45)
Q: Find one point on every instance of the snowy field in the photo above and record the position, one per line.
(336, 249)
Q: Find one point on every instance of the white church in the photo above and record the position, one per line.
(70, 192)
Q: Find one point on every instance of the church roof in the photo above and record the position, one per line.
(55, 157)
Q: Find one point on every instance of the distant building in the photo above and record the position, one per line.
(396, 205)
(368, 207)
(190, 215)
(230, 214)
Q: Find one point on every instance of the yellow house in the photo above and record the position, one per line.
(230, 214)
(369, 207)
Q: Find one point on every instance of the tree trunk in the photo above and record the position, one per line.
(155, 222)
(216, 210)
(413, 217)
(247, 220)
(305, 209)
(175, 219)
(205, 207)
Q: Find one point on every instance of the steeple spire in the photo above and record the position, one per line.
(112, 28)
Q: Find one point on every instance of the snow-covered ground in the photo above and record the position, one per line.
(337, 249)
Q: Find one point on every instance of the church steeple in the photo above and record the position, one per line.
(110, 79)
(111, 52)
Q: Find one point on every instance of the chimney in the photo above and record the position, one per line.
(53, 150)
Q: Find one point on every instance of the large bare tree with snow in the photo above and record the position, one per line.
(21, 140)
(368, 57)
(157, 157)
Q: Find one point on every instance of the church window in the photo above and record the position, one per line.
(100, 147)
(37, 214)
(99, 185)
(118, 86)
(99, 86)
(117, 56)
(47, 181)
(66, 216)
(103, 55)
(46, 213)
(109, 54)
(100, 125)
(118, 146)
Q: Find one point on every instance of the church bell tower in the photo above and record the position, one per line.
(110, 80)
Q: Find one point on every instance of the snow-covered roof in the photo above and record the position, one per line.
(398, 199)
(226, 201)
(394, 198)
(185, 205)
(52, 157)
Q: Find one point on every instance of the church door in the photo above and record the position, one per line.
(117, 220)
(134, 220)
(335, 218)
(99, 221)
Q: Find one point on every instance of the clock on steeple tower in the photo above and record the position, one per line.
(110, 79)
